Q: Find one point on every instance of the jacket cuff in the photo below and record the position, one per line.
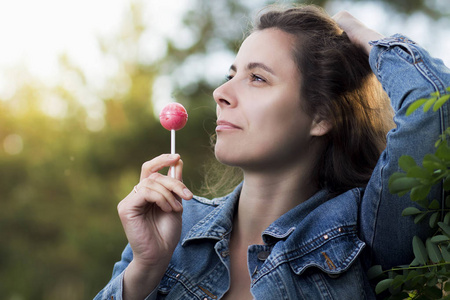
(395, 40)
(382, 45)
(114, 290)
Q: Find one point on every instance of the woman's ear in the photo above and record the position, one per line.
(320, 127)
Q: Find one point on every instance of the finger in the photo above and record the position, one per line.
(158, 194)
(175, 186)
(136, 203)
(341, 15)
(158, 163)
(160, 184)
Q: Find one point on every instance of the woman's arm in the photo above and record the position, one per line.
(407, 72)
(151, 218)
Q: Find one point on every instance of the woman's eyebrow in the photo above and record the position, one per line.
(254, 65)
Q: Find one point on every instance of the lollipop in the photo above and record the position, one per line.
(173, 117)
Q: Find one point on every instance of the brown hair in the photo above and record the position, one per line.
(336, 85)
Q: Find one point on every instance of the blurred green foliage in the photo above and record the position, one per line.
(62, 174)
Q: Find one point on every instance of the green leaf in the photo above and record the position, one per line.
(433, 281)
(415, 105)
(419, 172)
(434, 220)
(415, 263)
(433, 292)
(431, 162)
(383, 285)
(429, 274)
(428, 104)
(445, 254)
(398, 281)
(403, 185)
(423, 203)
(419, 280)
(434, 205)
(440, 238)
(443, 152)
(395, 176)
(409, 211)
(412, 274)
(433, 251)
(420, 192)
(374, 272)
(406, 162)
(441, 101)
(447, 218)
(439, 141)
(445, 227)
(420, 217)
(420, 252)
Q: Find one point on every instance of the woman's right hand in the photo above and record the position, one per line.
(151, 215)
(357, 32)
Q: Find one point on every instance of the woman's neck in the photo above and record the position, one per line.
(267, 196)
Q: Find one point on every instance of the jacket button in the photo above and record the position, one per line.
(263, 255)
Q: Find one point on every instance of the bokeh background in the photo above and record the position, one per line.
(81, 84)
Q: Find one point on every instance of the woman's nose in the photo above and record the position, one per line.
(224, 95)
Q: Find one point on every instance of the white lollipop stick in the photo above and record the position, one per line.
(172, 150)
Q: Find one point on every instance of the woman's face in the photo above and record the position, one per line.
(260, 123)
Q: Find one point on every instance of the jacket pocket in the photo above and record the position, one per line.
(333, 252)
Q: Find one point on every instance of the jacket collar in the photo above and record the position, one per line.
(219, 222)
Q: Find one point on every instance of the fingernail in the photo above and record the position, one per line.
(187, 193)
(173, 156)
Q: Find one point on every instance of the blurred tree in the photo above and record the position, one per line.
(435, 9)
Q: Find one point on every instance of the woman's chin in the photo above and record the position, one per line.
(226, 157)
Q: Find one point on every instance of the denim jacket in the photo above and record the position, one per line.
(322, 248)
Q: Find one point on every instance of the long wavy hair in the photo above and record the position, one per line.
(335, 84)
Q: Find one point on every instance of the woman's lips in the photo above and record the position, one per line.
(225, 125)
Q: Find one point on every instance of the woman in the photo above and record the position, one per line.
(303, 117)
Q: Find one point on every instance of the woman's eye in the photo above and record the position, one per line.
(257, 78)
(228, 77)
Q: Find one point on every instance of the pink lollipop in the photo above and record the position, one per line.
(173, 117)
